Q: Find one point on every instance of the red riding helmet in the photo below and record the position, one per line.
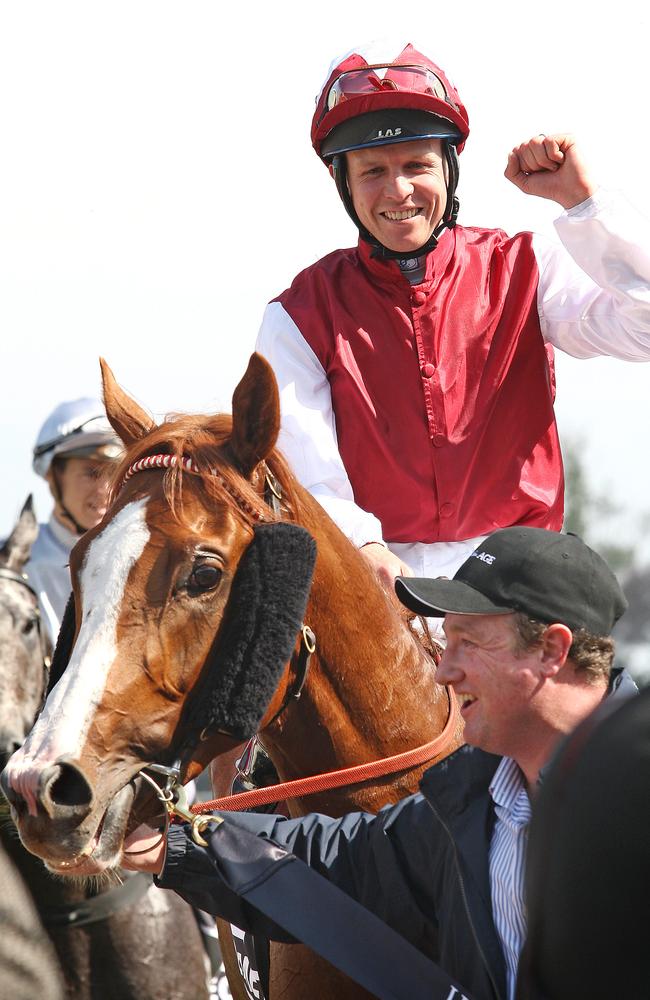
(371, 100)
(359, 84)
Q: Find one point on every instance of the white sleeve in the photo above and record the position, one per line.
(594, 292)
(308, 431)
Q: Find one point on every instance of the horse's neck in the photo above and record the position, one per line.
(370, 691)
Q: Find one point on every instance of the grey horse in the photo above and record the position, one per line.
(28, 963)
(24, 644)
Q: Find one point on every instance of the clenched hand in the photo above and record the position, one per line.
(551, 166)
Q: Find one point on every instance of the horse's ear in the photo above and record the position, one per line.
(15, 551)
(255, 415)
(128, 420)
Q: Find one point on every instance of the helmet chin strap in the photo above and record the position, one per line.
(339, 170)
(58, 496)
(79, 530)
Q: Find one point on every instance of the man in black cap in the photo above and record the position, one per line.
(528, 653)
(527, 619)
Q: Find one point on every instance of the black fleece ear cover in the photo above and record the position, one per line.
(257, 634)
(64, 643)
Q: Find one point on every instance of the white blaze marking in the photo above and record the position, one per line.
(63, 724)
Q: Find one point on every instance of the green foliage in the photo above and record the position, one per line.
(588, 513)
(595, 517)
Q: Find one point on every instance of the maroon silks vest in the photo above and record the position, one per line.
(443, 391)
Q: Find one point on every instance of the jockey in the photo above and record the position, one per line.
(75, 450)
(416, 369)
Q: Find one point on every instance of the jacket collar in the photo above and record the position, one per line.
(457, 791)
(388, 271)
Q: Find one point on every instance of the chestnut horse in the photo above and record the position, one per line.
(151, 590)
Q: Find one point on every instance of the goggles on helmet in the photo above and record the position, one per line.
(377, 78)
(74, 432)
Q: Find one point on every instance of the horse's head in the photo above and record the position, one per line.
(160, 587)
(24, 648)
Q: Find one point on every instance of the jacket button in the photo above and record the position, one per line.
(437, 440)
(446, 510)
(419, 298)
(428, 370)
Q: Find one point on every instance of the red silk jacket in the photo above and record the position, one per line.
(443, 391)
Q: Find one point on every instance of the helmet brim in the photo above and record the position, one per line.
(386, 127)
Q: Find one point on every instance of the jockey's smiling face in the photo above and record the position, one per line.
(399, 191)
(83, 485)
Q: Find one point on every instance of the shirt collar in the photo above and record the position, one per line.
(507, 784)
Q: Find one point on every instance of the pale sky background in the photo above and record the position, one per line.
(157, 187)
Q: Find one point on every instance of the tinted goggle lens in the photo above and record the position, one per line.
(375, 79)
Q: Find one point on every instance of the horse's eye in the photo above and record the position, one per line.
(30, 625)
(204, 577)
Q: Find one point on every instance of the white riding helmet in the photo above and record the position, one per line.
(76, 429)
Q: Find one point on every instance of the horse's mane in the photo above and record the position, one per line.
(205, 439)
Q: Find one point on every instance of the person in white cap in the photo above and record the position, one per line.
(74, 452)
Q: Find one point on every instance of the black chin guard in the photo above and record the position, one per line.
(263, 616)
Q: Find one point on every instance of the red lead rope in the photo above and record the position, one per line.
(337, 779)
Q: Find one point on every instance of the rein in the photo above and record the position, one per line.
(172, 795)
(342, 778)
(200, 815)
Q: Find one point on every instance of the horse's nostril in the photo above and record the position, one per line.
(65, 785)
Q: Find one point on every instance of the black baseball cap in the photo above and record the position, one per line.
(549, 576)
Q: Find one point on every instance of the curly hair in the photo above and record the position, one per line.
(592, 655)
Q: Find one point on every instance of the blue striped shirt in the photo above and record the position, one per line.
(507, 863)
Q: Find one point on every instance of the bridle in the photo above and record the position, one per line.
(272, 495)
(200, 815)
(172, 794)
(273, 499)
